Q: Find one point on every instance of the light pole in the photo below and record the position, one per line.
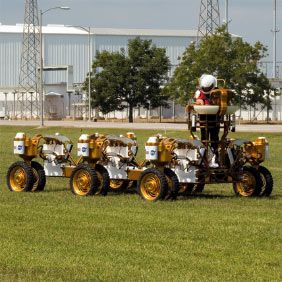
(88, 30)
(41, 99)
(275, 30)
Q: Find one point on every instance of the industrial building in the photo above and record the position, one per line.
(69, 46)
(66, 59)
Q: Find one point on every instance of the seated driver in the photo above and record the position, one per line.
(209, 123)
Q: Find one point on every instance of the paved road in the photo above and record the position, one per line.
(158, 126)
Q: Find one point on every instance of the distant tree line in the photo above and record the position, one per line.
(139, 77)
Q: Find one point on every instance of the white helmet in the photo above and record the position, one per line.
(207, 82)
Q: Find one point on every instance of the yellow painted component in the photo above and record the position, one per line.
(189, 108)
(150, 186)
(95, 150)
(81, 182)
(260, 145)
(131, 135)
(257, 149)
(115, 184)
(165, 149)
(31, 147)
(247, 185)
(134, 174)
(223, 102)
(18, 179)
(96, 143)
(67, 171)
(219, 97)
(96, 147)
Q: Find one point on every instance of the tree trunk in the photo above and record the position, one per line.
(130, 114)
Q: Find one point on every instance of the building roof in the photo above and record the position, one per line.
(61, 29)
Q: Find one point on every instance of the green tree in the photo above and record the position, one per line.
(228, 58)
(130, 80)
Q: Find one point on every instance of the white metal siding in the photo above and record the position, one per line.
(10, 50)
(72, 49)
(66, 50)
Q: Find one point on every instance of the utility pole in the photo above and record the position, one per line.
(275, 30)
(209, 18)
(30, 60)
(274, 74)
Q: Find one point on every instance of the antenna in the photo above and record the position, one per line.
(209, 18)
(27, 97)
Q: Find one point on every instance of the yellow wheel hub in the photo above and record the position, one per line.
(247, 186)
(18, 179)
(81, 182)
(115, 184)
(150, 186)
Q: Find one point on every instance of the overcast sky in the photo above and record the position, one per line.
(251, 19)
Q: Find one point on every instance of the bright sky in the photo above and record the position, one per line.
(251, 19)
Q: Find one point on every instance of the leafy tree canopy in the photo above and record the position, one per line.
(226, 57)
(129, 80)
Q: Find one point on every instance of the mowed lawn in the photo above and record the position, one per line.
(56, 236)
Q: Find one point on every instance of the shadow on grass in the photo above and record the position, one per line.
(56, 190)
(206, 196)
(179, 197)
(220, 196)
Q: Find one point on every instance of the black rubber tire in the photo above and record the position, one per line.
(104, 180)
(28, 175)
(257, 185)
(39, 177)
(185, 189)
(163, 185)
(122, 188)
(267, 181)
(198, 188)
(132, 186)
(91, 174)
(173, 184)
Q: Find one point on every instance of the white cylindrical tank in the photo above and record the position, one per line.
(83, 145)
(151, 149)
(19, 140)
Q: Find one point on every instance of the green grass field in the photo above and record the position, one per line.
(56, 236)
